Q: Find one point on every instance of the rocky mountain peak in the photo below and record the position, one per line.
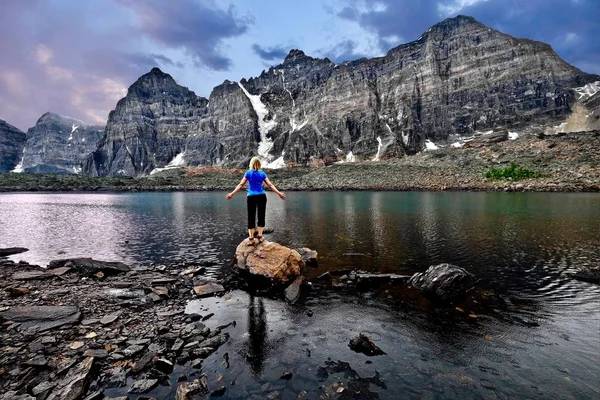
(155, 79)
(295, 55)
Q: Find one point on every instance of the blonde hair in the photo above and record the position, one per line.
(255, 163)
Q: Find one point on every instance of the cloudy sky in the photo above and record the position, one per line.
(77, 57)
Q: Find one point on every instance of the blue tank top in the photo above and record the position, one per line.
(255, 180)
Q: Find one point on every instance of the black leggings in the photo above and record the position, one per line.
(253, 202)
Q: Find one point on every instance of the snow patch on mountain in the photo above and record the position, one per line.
(266, 144)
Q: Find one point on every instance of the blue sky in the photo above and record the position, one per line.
(77, 58)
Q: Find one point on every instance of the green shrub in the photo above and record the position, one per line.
(513, 172)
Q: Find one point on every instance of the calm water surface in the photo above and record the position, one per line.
(523, 246)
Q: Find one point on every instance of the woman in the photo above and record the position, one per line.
(257, 198)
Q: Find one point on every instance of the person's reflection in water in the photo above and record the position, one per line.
(257, 330)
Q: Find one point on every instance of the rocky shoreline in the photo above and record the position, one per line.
(564, 162)
(82, 326)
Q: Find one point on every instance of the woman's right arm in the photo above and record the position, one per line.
(237, 188)
(273, 188)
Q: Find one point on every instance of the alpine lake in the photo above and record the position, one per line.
(542, 340)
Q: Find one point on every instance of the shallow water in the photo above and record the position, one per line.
(544, 343)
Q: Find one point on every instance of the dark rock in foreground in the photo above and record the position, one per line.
(588, 275)
(12, 250)
(444, 281)
(362, 344)
(88, 266)
(42, 318)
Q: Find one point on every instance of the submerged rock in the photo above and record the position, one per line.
(362, 344)
(444, 281)
(208, 289)
(270, 260)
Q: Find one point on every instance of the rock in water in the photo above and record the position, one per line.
(362, 344)
(308, 256)
(12, 250)
(292, 292)
(187, 390)
(271, 260)
(588, 275)
(444, 281)
(42, 318)
(89, 267)
(208, 289)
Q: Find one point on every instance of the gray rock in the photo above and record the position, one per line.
(444, 281)
(74, 385)
(12, 395)
(89, 267)
(292, 292)
(31, 276)
(12, 142)
(42, 318)
(143, 385)
(110, 318)
(96, 353)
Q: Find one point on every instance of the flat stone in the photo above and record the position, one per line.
(143, 363)
(9, 251)
(110, 318)
(31, 275)
(132, 350)
(37, 361)
(76, 345)
(42, 318)
(96, 353)
(73, 386)
(143, 385)
(43, 387)
(163, 281)
(208, 289)
(89, 267)
(59, 271)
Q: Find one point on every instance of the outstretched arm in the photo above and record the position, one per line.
(273, 188)
(237, 188)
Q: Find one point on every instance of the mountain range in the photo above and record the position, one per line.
(459, 79)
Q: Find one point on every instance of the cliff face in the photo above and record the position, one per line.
(459, 77)
(12, 141)
(59, 144)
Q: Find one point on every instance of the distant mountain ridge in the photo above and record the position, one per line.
(12, 141)
(58, 144)
(459, 77)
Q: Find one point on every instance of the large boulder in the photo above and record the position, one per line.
(444, 281)
(270, 260)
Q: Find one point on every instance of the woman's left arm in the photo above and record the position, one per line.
(237, 188)
(273, 188)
